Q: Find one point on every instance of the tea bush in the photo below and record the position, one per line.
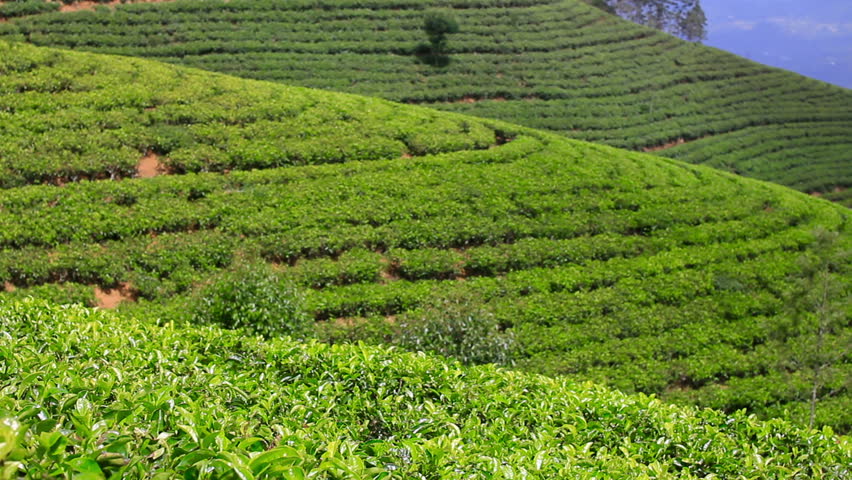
(645, 274)
(253, 298)
(90, 395)
(459, 328)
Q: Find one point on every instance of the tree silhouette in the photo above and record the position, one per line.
(437, 26)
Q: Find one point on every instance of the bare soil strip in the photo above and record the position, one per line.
(665, 146)
(112, 298)
(149, 166)
(88, 5)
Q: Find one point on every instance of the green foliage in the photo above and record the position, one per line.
(458, 328)
(83, 117)
(85, 399)
(645, 274)
(253, 298)
(820, 302)
(558, 65)
(20, 8)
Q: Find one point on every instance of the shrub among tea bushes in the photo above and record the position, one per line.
(252, 297)
(459, 328)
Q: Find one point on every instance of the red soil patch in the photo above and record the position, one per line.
(111, 298)
(8, 287)
(389, 273)
(836, 189)
(476, 100)
(349, 322)
(679, 141)
(388, 277)
(88, 5)
(149, 166)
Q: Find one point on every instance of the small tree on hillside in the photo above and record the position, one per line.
(816, 328)
(437, 26)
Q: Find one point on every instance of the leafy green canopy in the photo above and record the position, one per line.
(66, 117)
(600, 264)
(558, 65)
(641, 273)
(89, 395)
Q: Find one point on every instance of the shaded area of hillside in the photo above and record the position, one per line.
(631, 270)
(552, 64)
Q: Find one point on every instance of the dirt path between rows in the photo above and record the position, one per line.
(665, 146)
(89, 5)
(113, 297)
(150, 166)
(674, 143)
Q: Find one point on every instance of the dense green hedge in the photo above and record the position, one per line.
(69, 118)
(90, 395)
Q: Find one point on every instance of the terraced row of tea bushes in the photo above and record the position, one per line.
(761, 154)
(20, 8)
(594, 258)
(66, 117)
(83, 398)
(552, 64)
(564, 245)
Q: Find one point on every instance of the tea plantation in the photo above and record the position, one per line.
(388, 223)
(90, 395)
(558, 65)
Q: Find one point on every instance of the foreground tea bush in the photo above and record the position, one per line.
(87, 395)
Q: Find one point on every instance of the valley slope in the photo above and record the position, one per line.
(635, 271)
(558, 65)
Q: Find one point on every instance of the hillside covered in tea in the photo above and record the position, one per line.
(146, 186)
(559, 65)
(87, 394)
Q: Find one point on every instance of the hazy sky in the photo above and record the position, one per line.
(811, 37)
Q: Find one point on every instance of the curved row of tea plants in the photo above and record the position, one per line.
(89, 395)
(551, 64)
(66, 117)
(601, 263)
